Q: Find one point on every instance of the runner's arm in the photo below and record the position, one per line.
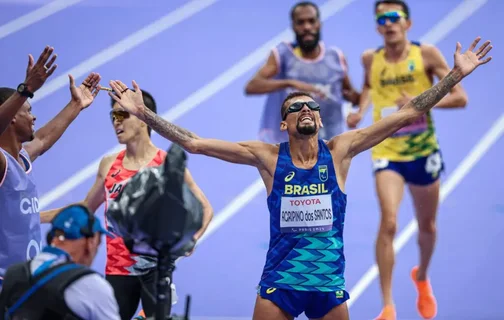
(47, 136)
(349, 92)
(439, 67)
(8, 111)
(96, 195)
(365, 101)
(249, 153)
(94, 198)
(262, 81)
(3, 167)
(9, 108)
(207, 207)
(354, 142)
(47, 215)
(37, 73)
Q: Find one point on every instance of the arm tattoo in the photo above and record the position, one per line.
(429, 98)
(167, 129)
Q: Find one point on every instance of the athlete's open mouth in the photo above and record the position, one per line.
(306, 119)
(119, 131)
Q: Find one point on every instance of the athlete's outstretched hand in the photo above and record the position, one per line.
(37, 73)
(131, 101)
(84, 94)
(468, 61)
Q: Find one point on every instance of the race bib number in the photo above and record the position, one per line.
(434, 164)
(419, 126)
(380, 164)
(306, 214)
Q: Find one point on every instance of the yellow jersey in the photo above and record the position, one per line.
(387, 80)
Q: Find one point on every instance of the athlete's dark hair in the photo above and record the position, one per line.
(5, 94)
(290, 96)
(149, 102)
(403, 4)
(304, 4)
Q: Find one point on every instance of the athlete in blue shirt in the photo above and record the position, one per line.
(304, 179)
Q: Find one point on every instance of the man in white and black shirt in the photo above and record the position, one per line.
(59, 282)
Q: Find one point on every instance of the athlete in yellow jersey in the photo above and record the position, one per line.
(394, 74)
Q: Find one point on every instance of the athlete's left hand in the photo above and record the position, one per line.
(351, 96)
(353, 119)
(131, 101)
(468, 61)
(404, 99)
(84, 94)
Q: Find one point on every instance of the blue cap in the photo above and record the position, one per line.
(74, 221)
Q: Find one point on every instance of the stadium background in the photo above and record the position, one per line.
(195, 58)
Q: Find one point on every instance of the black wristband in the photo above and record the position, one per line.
(22, 89)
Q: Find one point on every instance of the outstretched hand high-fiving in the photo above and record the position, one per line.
(131, 101)
(84, 94)
(38, 72)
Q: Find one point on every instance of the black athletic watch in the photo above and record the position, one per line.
(23, 90)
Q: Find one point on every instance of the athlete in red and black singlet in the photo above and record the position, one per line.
(119, 260)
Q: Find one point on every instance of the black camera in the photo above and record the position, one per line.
(157, 215)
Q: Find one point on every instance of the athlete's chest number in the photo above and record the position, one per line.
(306, 214)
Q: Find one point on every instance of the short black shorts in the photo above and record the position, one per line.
(130, 290)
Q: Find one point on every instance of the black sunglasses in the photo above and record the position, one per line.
(296, 106)
(118, 115)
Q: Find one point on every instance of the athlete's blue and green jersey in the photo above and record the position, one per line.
(307, 213)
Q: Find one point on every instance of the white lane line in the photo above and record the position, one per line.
(484, 144)
(441, 30)
(490, 138)
(458, 15)
(232, 208)
(35, 16)
(142, 35)
(251, 192)
(329, 9)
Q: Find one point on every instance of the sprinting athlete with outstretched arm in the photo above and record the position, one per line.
(412, 157)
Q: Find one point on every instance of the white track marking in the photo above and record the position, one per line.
(328, 10)
(449, 23)
(35, 16)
